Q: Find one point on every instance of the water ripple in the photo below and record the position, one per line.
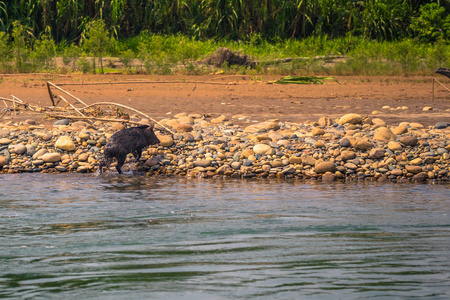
(135, 237)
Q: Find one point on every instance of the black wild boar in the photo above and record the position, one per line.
(130, 140)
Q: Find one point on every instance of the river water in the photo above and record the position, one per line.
(114, 237)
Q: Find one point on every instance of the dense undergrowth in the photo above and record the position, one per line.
(164, 55)
(376, 37)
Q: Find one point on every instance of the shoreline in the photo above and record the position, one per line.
(350, 148)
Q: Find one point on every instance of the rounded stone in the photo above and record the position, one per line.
(413, 169)
(247, 162)
(184, 128)
(84, 135)
(363, 145)
(235, 165)
(40, 152)
(165, 140)
(277, 164)
(261, 149)
(61, 122)
(247, 153)
(326, 166)
(20, 148)
(416, 161)
(394, 146)
(319, 144)
(377, 153)
(202, 163)
(295, 160)
(441, 125)
(384, 134)
(344, 142)
(5, 141)
(409, 140)
(401, 129)
(51, 157)
(348, 154)
(3, 161)
(65, 142)
(151, 162)
(350, 118)
(420, 177)
(318, 131)
(397, 172)
(328, 177)
(83, 157)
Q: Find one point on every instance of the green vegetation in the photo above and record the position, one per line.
(376, 37)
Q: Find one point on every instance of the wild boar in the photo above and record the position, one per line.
(130, 140)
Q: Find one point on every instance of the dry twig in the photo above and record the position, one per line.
(130, 108)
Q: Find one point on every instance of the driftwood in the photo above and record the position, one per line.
(86, 106)
(70, 104)
(93, 119)
(130, 108)
(154, 82)
(440, 83)
(83, 113)
(58, 88)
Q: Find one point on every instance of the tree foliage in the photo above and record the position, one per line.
(231, 19)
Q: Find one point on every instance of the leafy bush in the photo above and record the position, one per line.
(97, 41)
(5, 53)
(70, 55)
(20, 45)
(44, 52)
(432, 24)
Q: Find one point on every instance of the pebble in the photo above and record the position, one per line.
(63, 122)
(5, 141)
(352, 148)
(261, 149)
(165, 140)
(323, 167)
(441, 125)
(394, 146)
(20, 148)
(350, 119)
(409, 140)
(384, 134)
(3, 161)
(65, 142)
(51, 157)
(347, 155)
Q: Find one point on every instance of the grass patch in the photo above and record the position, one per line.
(178, 54)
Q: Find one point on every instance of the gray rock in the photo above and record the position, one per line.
(247, 162)
(344, 142)
(61, 122)
(235, 165)
(441, 125)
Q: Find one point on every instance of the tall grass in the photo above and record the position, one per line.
(230, 19)
(160, 54)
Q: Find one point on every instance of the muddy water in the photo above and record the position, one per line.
(114, 237)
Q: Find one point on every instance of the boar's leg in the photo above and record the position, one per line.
(106, 162)
(100, 166)
(137, 154)
(120, 162)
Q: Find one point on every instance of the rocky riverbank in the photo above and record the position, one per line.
(349, 148)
